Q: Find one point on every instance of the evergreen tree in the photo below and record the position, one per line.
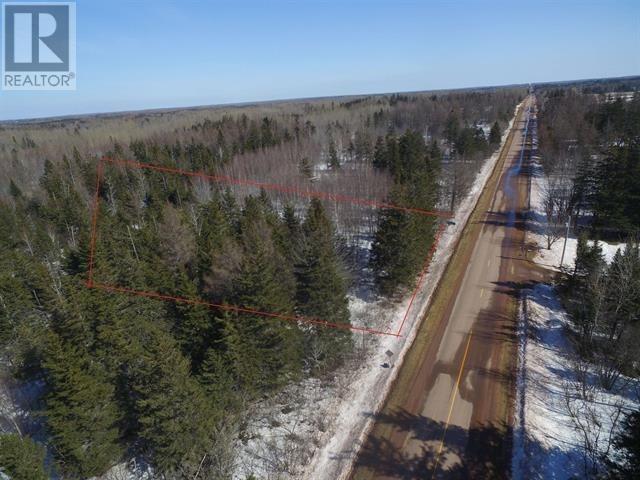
(589, 258)
(21, 458)
(51, 181)
(80, 410)
(304, 166)
(334, 161)
(14, 190)
(435, 154)
(292, 223)
(322, 290)
(452, 130)
(217, 380)
(267, 133)
(390, 257)
(63, 205)
(290, 239)
(362, 146)
(380, 154)
(193, 328)
(623, 290)
(214, 245)
(24, 322)
(392, 153)
(122, 326)
(617, 191)
(265, 352)
(627, 443)
(465, 142)
(585, 284)
(170, 407)
(252, 141)
(411, 158)
(230, 208)
(73, 317)
(495, 135)
(403, 239)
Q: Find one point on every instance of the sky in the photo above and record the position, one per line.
(154, 54)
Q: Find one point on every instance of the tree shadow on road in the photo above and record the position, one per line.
(482, 452)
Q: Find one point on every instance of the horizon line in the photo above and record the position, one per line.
(249, 103)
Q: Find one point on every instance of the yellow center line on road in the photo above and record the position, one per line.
(453, 401)
(481, 292)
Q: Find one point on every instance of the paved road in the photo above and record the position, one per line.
(451, 417)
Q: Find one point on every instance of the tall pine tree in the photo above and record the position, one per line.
(403, 238)
(265, 352)
(170, 406)
(322, 289)
(80, 410)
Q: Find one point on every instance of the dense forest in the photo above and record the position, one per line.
(117, 376)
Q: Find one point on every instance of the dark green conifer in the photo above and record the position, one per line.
(495, 135)
(170, 407)
(322, 289)
(81, 412)
(403, 238)
(219, 383)
(390, 255)
(21, 458)
(380, 154)
(334, 161)
(264, 351)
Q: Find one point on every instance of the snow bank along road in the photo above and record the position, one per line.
(448, 413)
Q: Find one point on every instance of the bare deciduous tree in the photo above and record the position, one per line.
(594, 420)
(556, 201)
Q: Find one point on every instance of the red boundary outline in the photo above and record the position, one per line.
(267, 186)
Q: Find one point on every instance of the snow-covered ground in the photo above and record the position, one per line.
(547, 442)
(17, 402)
(330, 422)
(133, 469)
(550, 258)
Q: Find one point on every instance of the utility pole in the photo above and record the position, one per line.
(564, 247)
(529, 182)
(530, 171)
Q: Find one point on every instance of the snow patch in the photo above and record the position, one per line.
(134, 469)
